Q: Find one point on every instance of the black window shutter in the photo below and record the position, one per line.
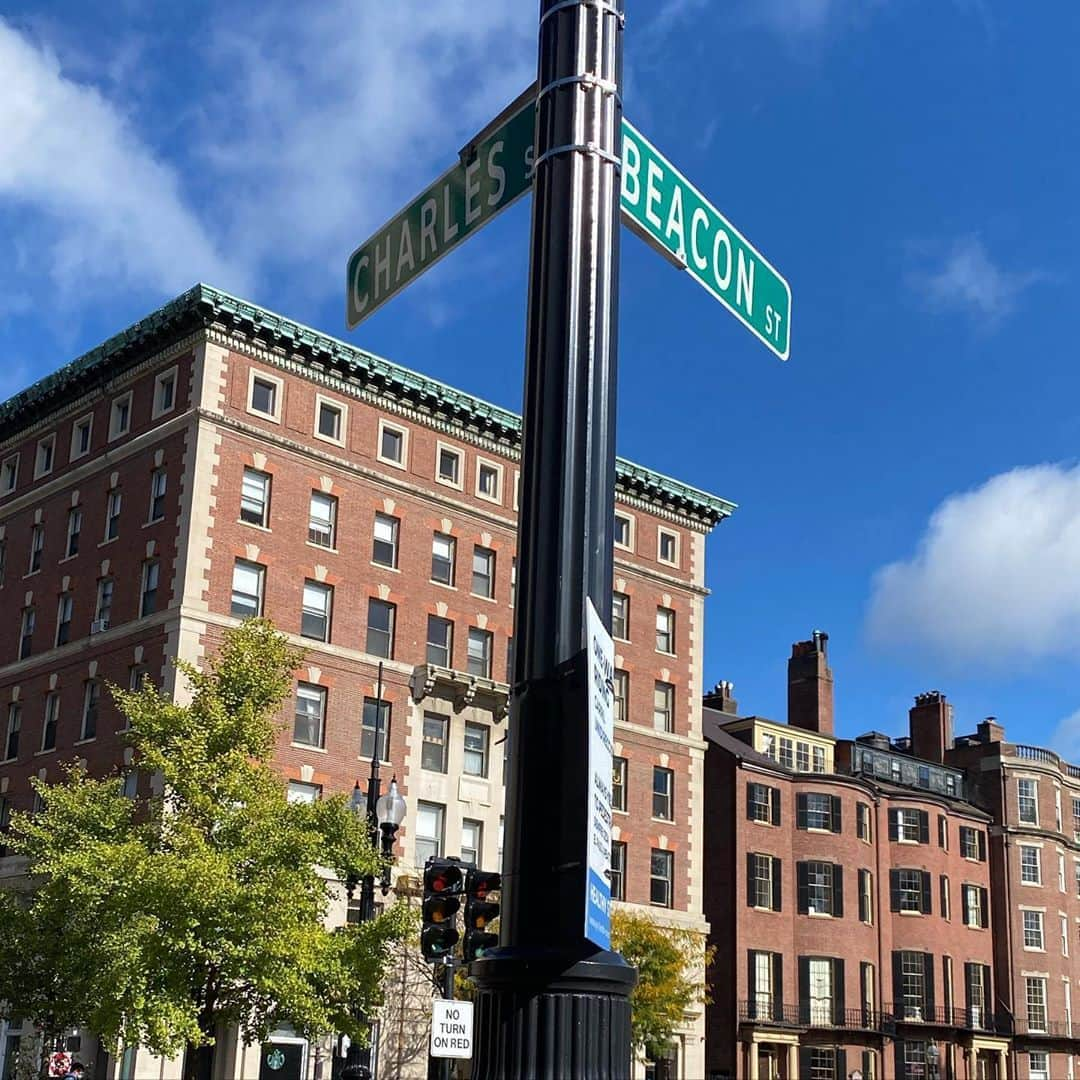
(867, 1062)
(778, 985)
(969, 1002)
(987, 995)
(924, 827)
(800, 811)
(894, 825)
(943, 885)
(751, 984)
(804, 991)
(774, 802)
(982, 846)
(894, 890)
(805, 1062)
(862, 896)
(927, 908)
(802, 888)
(897, 980)
(901, 1067)
(835, 816)
(750, 879)
(750, 801)
(928, 974)
(839, 997)
(776, 894)
(841, 1062)
(837, 890)
(984, 907)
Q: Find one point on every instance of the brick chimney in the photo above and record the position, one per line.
(810, 685)
(721, 698)
(931, 727)
(990, 731)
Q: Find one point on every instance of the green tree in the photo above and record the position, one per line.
(672, 964)
(154, 920)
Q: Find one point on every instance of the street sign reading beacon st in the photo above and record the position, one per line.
(657, 202)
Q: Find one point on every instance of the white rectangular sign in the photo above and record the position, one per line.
(601, 676)
(451, 1029)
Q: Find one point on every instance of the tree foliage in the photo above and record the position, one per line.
(153, 920)
(672, 965)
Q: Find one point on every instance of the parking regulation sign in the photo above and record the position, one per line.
(451, 1029)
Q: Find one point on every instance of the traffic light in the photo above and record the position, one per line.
(480, 912)
(443, 884)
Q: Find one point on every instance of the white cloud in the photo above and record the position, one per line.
(98, 206)
(995, 577)
(1066, 737)
(968, 280)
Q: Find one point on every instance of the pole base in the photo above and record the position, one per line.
(550, 1015)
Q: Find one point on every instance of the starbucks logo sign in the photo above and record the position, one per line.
(275, 1059)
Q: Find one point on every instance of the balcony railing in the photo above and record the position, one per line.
(942, 1016)
(815, 1015)
(1040, 753)
(1051, 1029)
(809, 1015)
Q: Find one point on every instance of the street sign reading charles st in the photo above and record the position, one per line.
(657, 202)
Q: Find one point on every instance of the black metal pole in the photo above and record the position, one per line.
(549, 1003)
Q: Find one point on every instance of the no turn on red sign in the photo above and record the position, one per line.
(451, 1029)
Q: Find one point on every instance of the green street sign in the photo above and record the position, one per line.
(658, 203)
(670, 214)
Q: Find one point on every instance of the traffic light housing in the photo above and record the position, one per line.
(443, 884)
(480, 912)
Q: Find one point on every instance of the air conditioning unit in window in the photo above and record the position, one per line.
(912, 1012)
(98, 625)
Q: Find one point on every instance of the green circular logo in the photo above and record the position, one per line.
(275, 1059)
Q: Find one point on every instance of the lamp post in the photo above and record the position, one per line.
(384, 815)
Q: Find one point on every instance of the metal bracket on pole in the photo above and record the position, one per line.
(604, 9)
(581, 148)
(587, 81)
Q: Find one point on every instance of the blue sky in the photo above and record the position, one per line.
(908, 481)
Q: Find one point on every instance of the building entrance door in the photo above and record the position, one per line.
(767, 1065)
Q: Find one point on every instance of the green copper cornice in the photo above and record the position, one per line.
(202, 307)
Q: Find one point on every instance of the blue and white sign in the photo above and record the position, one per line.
(601, 676)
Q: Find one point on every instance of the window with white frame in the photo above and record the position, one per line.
(91, 701)
(51, 720)
(1064, 919)
(148, 595)
(760, 891)
(322, 520)
(299, 792)
(103, 611)
(617, 876)
(975, 913)
(81, 435)
(909, 825)
(475, 762)
(478, 654)
(74, 528)
(1035, 998)
(392, 443)
(1030, 865)
(665, 630)
(787, 752)
(159, 480)
(380, 628)
(443, 556)
(663, 794)
(433, 751)
(37, 546)
(621, 696)
(14, 727)
(624, 531)
(483, 572)
(113, 503)
(429, 831)
(489, 481)
(440, 641)
(120, 416)
(330, 421)
(247, 589)
(164, 392)
(1033, 931)
(820, 990)
(472, 841)
(26, 632)
(385, 541)
(9, 474)
(1061, 871)
(46, 455)
(315, 612)
(618, 783)
(1027, 793)
(448, 468)
(264, 395)
(667, 547)
(255, 498)
(620, 616)
(661, 877)
(818, 764)
(309, 718)
(663, 706)
(375, 730)
(909, 890)
(1039, 1064)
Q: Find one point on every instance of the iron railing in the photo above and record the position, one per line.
(812, 1015)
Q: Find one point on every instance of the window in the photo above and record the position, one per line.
(624, 532)
(74, 528)
(943, 832)
(910, 891)
(1064, 935)
(165, 392)
(475, 762)
(1061, 872)
(618, 870)
(661, 871)
(380, 628)
(14, 726)
(665, 630)
(972, 843)
(819, 758)
(663, 794)
(478, 652)
(26, 632)
(376, 729)
(391, 444)
(63, 619)
(46, 452)
(976, 991)
(976, 906)
(1035, 994)
(944, 898)
(112, 514)
(298, 792)
(802, 757)
(103, 613)
(667, 547)
(915, 971)
(862, 821)
(449, 467)
(131, 783)
(433, 750)
(489, 481)
(909, 826)
(151, 573)
(443, 549)
(330, 421)
(1030, 865)
(1033, 931)
(483, 572)
(37, 545)
(385, 550)
(822, 1062)
(763, 881)
(310, 717)
(1027, 792)
(159, 479)
(866, 897)
(247, 589)
(81, 432)
(765, 971)
(817, 810)
(820, 888)
(621, 696)
(255, 498)
(429, 831)
(787, 753)
(137, 675)
(264, 395)
(322, 520)
(9, 473)
(664, 706)
(620, 616)
(1039, 1064)
(763, 803)
(120, 417)
(315, 613)
(440, 641)
(472, 841)
(1076, 818)
(618, 783)
(52, 718)
(819, 989)
(91, 698)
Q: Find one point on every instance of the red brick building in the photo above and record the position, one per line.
(216, 460)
